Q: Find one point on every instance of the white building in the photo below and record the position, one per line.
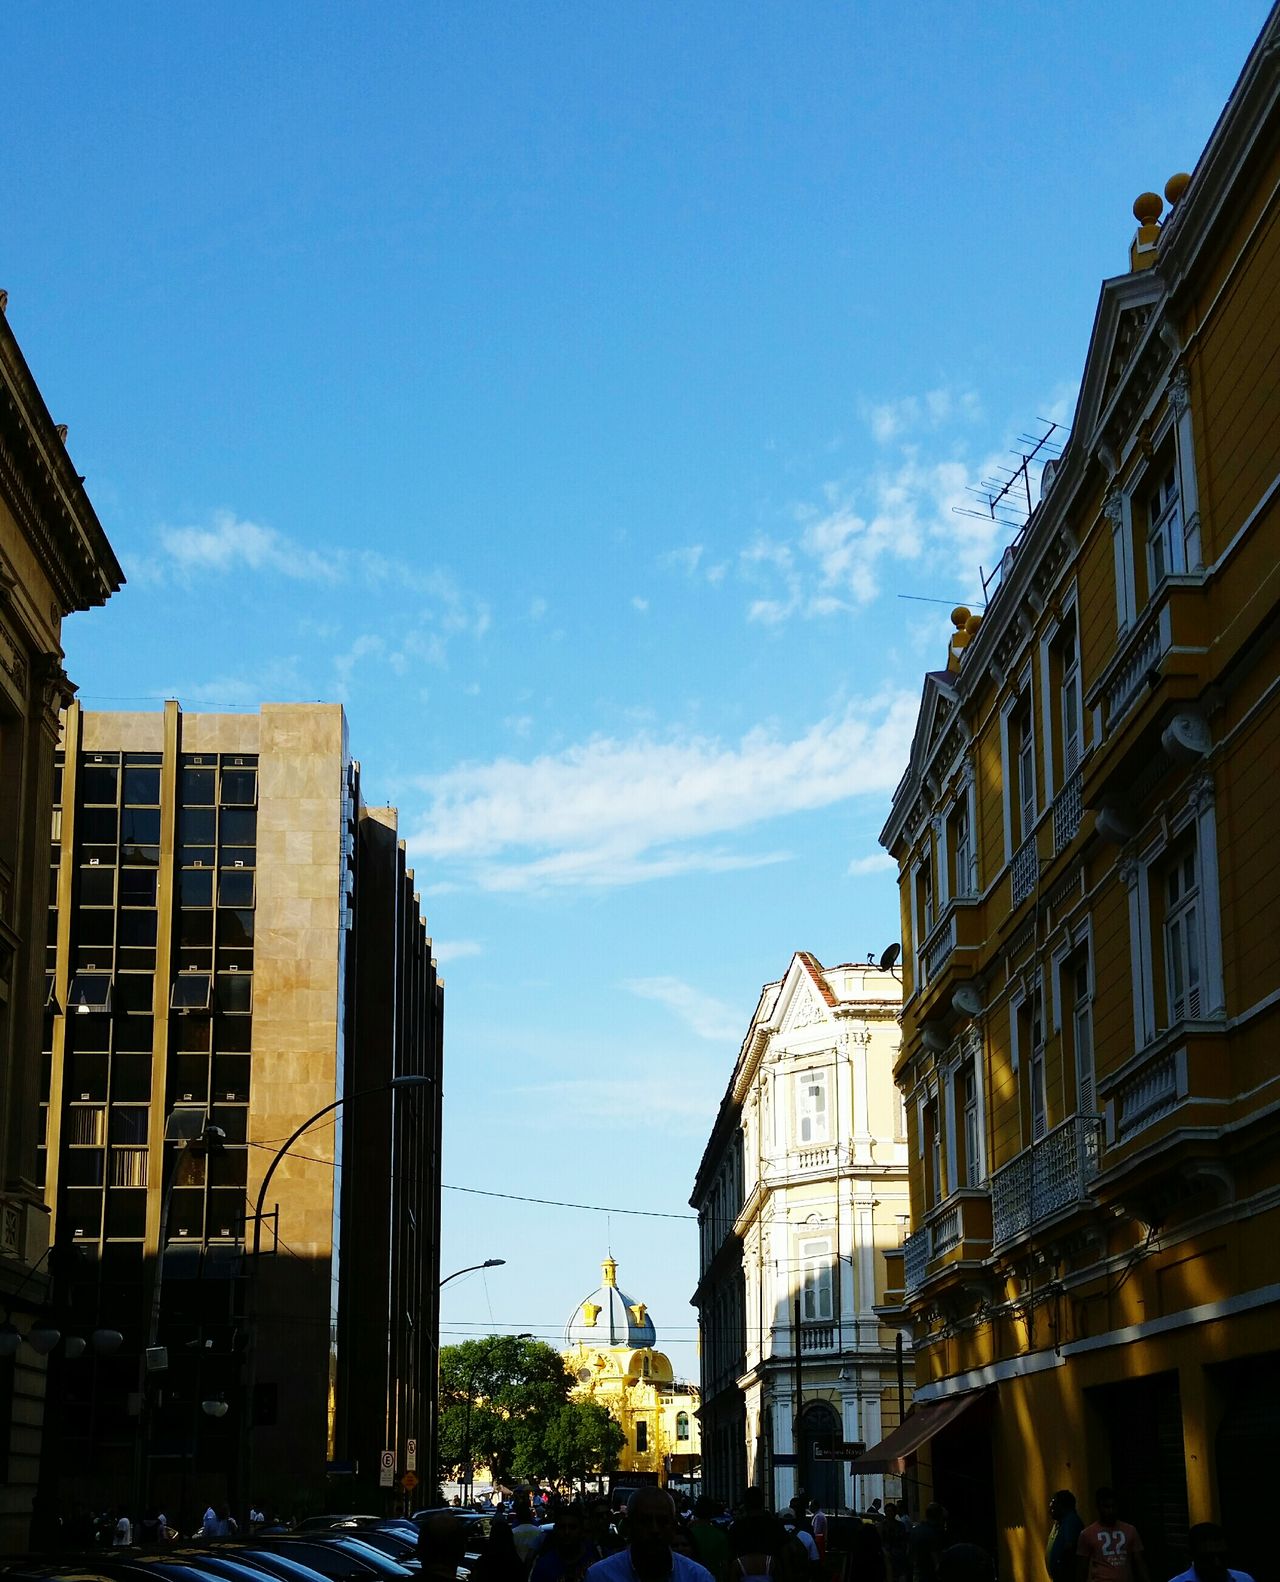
(812, 1137)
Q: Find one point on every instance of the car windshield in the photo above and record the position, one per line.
(381, 1563)
(305, 1559)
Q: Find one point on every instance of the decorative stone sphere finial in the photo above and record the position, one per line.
(972, 624)
(959, 617)
(1176, 186)
(1147, 207)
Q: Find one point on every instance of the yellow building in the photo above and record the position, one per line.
(610, 1349)
(1089, 870)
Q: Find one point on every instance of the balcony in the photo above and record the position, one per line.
(1045, 1180)
(949, 949)
(915, 1260)
(1186, 1069)
(818, 1338)
(1068, 810)
(1025, 870)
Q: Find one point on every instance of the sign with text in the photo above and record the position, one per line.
(387, 1472)
(411, 1455)
(846, 1450)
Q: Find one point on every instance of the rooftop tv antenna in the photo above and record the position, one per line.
(1005, 496)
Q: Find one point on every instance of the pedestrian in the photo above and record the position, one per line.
(1064, 1537)
(219, 1523)
(525, 1531)
(1207, 1543)
(152, 1528)
(600, 1528)
(926, 1541)
(756, 1537)
(875, 1511)
(710, 1543)
(1110, 1550)
(865, 1556)
(796, 1526)
(893, 1535)
(568, 1553)
(442, 1546)
(500, 1560)
(649, 1556)
(818, 1522)
(121, 1532)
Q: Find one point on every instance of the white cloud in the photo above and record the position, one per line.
(707, 1016)
(892, 420)
(911, 510)
(230, 542)
(609, 811)
(641, 606)
(455, 949)
(877, 862)
(686, 559)
(639, 1102)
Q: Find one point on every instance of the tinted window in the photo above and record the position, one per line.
(98, 783)
(197, 788)
(140, 826)
(195, 887)
(239, 826)
(97, 886)
(98, 826)
(137, 886)
(142, 787)
(235, 887)
(196, 826)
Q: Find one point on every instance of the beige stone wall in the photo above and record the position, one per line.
(296, 1001)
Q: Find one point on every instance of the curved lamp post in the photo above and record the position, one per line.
(251, 1365)
(489, 1263)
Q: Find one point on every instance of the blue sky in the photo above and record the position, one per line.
(572, 391)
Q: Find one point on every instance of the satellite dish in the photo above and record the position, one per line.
(889, 958)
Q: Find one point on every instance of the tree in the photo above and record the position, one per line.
(498, 1395)
(581, 1439)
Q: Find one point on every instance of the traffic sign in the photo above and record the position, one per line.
(409, 1482)
(411, 1455)
(387, 1471)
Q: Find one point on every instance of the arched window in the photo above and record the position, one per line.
(682, 1425)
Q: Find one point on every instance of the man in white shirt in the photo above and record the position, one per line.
(1208, 1545)
(122, 1538)
(649, 1557)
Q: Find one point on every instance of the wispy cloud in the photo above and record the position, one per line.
(613, 812)
(639, 605)
(911, 510)
(893, 420)
(708, 1017)
(877, 862)
(641, 1103)
(455, 949)
(230, 542)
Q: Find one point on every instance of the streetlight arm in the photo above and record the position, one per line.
(387, 1087)
(489, 1263)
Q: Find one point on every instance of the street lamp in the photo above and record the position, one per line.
(489, 1263)
(394, 1085)
(251, 1360)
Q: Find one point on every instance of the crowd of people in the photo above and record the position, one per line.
(658, 1538)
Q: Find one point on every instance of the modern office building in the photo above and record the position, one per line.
(1089, 873)
(234, 945)
(802, 1188)
(54, 559)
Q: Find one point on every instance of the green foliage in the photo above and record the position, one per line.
(497, 1396)
(581, 1439)
(504, 1404)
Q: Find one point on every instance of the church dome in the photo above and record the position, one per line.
(609, 1317)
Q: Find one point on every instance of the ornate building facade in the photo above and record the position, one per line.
(801, 1189)
(54, 559)
(1089, 870)
(610, 1348)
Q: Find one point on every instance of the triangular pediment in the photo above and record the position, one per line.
(1121, 326)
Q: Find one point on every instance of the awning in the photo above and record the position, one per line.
(918, 1427)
